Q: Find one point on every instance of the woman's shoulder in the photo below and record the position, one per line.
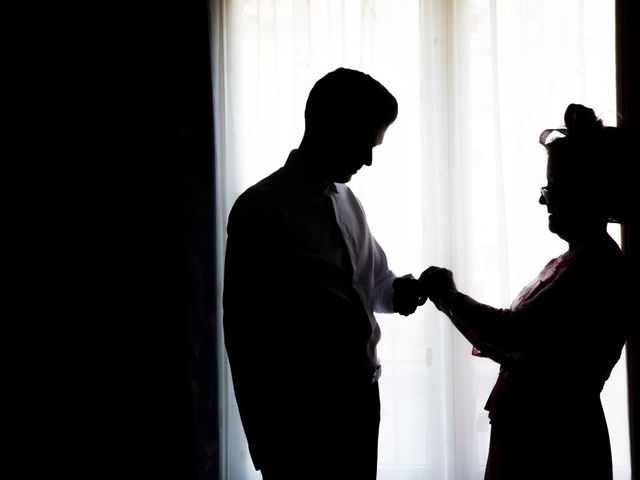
(599, 269)
(597, 253)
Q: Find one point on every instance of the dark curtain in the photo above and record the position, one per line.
(627, 19)
(171, 402)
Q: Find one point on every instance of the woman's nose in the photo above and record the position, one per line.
(541, 200)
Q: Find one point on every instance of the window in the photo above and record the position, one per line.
(455, 183)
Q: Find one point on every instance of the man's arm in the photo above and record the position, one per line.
(245, 310)
(394, 294)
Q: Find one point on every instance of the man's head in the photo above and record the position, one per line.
(346, 115)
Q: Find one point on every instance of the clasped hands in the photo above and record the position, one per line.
(410, 293)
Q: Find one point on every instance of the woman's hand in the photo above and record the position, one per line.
(437, 280)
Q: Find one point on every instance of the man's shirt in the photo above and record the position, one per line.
(303, 272)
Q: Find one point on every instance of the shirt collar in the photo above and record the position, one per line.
(331, 189)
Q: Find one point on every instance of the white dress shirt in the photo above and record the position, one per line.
(319, 273)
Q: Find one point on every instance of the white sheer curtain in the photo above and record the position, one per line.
(455, 183)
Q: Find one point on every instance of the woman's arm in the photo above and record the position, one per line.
(496, 332)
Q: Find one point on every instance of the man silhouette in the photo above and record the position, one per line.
(303, 278)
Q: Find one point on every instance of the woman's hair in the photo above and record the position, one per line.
(349, 99)
(598, 159)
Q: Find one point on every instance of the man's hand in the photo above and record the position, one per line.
(408, 294)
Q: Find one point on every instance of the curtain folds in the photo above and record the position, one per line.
(455, 183)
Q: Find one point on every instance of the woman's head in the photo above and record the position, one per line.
(588, 175)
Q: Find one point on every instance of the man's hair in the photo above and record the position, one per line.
(350, 99)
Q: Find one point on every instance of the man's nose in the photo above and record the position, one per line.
(541, 200)
(368, 158)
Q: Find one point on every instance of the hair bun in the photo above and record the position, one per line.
(581, 119)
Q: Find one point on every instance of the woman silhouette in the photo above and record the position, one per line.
(564, 332)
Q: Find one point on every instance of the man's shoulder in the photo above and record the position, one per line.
(259, 195)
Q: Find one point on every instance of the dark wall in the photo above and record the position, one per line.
(628, 53)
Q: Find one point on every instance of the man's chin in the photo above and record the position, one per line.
(343, 178)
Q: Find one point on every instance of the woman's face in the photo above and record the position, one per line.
(572, 207)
